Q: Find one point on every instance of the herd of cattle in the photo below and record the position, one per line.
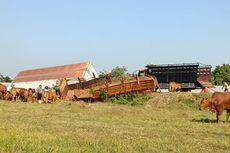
(26, 95)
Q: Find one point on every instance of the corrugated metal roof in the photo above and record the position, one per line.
(51, 73)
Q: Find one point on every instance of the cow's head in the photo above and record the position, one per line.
(204, 104)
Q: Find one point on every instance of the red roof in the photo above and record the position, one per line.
(52, 73)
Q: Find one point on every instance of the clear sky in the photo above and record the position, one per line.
(131, 33)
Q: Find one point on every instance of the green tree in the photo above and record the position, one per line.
(103, 73)
(1, 78)
(118, 72)
(221, 73)
(8, 79)
(5, 79)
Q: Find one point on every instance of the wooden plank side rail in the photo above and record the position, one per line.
(139, 84)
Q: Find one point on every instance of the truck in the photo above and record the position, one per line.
(92, 89)
(188, 75)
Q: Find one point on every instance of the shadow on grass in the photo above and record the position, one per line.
(204, 120)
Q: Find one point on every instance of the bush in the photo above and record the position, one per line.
(118, 72)
(130, 99)
(103, 96)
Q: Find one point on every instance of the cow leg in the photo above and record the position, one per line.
(219, 112)
(217, 117)
(227, 115)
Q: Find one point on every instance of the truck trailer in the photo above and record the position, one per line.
(188, 75)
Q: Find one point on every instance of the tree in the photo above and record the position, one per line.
(8, 79)
(221, 73)
(118, 72)
(5, 79)
(1, 78)
(103, 73)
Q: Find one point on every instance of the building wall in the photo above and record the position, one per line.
(35, 84)
(89, 73)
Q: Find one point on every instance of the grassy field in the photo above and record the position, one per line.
(168, 122)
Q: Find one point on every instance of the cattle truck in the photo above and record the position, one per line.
(188, 75)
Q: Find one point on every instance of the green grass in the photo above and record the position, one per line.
(168, 122)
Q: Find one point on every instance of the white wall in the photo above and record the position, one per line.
(35, 84)
(89, 73)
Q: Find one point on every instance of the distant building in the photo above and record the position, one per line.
(50, 75)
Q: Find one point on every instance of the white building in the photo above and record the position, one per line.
(49, 76)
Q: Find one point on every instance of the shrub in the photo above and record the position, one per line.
(130, 99)
(103, 96)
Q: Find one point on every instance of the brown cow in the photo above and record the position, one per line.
(217, 103)
(2, 87)
(173, 86)
(8, 96)
(31, 95)
(15, 92)
(3, 91)
(23, 94)
(49, 96)
(19, 93)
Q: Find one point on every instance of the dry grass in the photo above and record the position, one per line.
(168, 122)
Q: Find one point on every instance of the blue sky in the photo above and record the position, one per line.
(111, 33)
